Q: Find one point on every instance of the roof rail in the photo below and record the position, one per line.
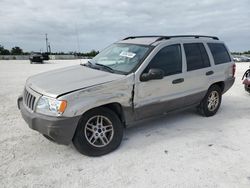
(160, 37)
(184, 36)
(146, 36)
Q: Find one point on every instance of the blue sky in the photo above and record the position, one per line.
(97, 23)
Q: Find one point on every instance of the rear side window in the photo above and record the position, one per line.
(196, 56)
(168, 59)
(219, 52)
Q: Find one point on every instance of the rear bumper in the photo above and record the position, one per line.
(228, 83)
(59, 129)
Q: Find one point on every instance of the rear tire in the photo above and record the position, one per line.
(211, 102)
(247, 88)
(99, 132)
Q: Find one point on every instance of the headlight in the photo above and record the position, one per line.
(50, 106)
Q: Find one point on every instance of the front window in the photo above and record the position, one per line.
(121, 58)
(167, 59)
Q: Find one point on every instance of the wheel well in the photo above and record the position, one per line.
(221, 85)
(117, 108)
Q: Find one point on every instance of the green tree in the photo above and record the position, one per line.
(93, 53)
(16, 51)
(246, 52)
(4, 51)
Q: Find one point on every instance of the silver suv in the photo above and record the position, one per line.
(131, 80)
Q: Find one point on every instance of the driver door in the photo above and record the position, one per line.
(156, 97)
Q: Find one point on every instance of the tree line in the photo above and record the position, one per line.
(19, 51)
(14, 51)
(241, 53)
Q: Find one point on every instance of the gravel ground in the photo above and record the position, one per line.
(179, 150)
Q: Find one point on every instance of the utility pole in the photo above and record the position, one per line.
(49, 48)
(46, 38)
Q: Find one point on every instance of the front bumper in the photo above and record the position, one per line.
(59, 129)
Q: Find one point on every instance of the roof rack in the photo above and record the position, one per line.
(186, 36)
(146, 36)
(159, 38)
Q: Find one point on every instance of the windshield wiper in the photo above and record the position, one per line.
(106, 67)
(88, 64)
(98, 66)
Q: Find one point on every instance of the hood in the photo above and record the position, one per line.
(65, 80)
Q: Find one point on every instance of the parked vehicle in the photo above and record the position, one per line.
(38, 57)
(237, 59)
(246, 82)
(241, 58)
(45, 56)
(132, 80)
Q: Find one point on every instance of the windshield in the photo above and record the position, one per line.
(121, 57)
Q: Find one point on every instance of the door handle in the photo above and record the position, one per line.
(177, 81)
(209, 73)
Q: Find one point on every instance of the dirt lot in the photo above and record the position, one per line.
(180, 150)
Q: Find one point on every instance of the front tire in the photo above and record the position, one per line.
(211, 102)
(99, 132)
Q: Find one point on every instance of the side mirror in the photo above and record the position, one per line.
(153, 74)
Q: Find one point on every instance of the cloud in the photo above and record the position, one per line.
(98, 23)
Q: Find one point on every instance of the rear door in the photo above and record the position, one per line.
(197, 73)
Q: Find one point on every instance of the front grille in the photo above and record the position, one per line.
(29, 99)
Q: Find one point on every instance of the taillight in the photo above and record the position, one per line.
(234, 69)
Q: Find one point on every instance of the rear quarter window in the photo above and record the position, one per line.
(219, 52)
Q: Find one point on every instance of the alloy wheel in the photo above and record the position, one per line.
(99, 131)
(213, 101)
